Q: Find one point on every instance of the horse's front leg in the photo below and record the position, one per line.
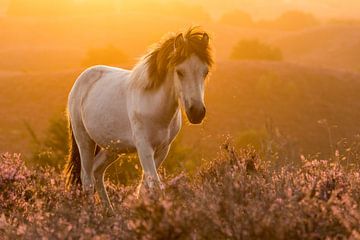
(146, 154)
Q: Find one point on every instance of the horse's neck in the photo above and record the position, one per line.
(163, 98)
(169, 100)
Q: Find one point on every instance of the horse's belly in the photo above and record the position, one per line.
(117, 145)
(106, 120)
(114, 137)
(110, 131)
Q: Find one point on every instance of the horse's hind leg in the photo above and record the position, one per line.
(102, 161)
(86, 149)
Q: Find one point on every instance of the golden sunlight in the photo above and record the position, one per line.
(183, 119)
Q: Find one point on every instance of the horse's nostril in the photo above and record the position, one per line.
(191, 109)
(196, 113)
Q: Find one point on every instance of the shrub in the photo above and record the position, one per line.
(236, 196)
(295, 20)
(252, 49)
(252, 137)
(271, 144)
(53, 149)
(12, 169)
(290, 21)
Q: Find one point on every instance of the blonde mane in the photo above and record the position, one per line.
(152, 69)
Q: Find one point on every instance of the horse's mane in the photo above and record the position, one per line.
(165, 56)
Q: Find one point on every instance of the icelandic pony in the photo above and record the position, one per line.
(113, 111)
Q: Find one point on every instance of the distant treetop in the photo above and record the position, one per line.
(253, 49)
(293, 20)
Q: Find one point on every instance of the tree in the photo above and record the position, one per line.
(295, 20)
(252, 49)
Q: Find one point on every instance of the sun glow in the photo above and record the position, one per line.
(278, 151)
(40, 36)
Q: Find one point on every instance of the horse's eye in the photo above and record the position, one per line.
(180, 73)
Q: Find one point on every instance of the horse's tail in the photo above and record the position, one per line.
(73, 166)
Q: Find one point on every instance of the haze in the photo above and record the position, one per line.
(258, 8)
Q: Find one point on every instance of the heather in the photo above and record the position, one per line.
(235, 195)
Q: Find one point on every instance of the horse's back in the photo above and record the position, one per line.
(90, 76)
(99, 96)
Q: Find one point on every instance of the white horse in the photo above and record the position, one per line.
(113, 111)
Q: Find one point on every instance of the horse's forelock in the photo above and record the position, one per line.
(166, 55)
(193, 44)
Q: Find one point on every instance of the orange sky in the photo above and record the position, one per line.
(258, 8)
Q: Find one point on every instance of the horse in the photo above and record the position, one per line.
(114, 111)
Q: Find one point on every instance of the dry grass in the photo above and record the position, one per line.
(237, 196)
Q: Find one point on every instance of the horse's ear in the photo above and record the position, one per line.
(205, 39)
(179, 40)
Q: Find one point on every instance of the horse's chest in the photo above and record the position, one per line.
(165, 135)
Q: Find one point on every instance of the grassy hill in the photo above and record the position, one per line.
(290, 96)
(330, 46)
(270, 105)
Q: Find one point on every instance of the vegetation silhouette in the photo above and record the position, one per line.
(253, 49)
(293, 20)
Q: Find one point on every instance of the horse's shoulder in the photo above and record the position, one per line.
(91, 73)
(99, 71)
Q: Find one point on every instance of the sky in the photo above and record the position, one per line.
(258, 8)
(272, 8)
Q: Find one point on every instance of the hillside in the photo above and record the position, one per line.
(38, 70)
(330, 46)
(55, 49)
(292, 97)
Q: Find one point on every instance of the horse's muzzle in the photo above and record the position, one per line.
(196, 113)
